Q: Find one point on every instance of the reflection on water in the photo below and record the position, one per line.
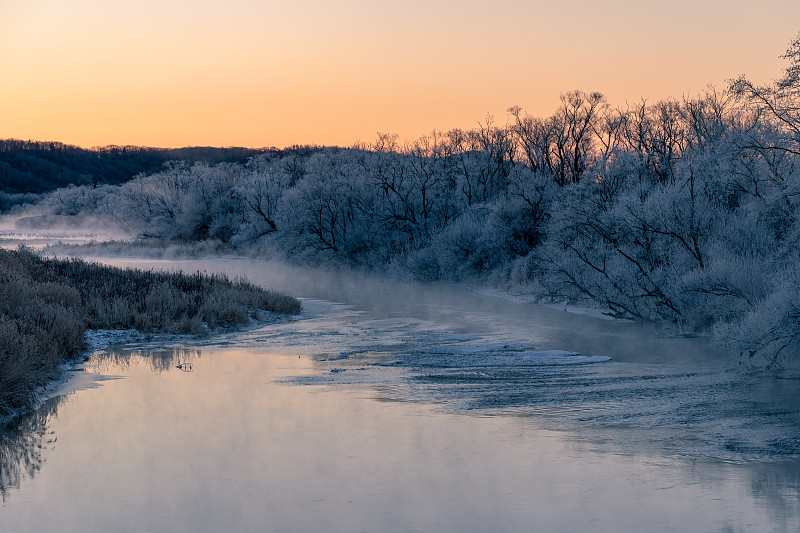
(278, 429)
(229, 447)
(156, 361)
(780, 489)
(24, 443)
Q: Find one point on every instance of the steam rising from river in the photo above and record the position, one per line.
(35, 228)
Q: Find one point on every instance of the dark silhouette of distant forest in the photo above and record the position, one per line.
(39, 167)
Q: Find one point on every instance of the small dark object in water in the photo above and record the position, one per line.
(186, 367)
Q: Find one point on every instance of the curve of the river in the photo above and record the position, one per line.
(408, 407)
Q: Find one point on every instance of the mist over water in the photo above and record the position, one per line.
(36, 230)
(394, 406)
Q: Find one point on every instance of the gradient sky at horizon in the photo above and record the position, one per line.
(174, 73)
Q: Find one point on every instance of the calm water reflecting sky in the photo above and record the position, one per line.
(225, 447)
(272, 430)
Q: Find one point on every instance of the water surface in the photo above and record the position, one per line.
(399, 407)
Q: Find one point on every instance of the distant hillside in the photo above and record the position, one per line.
(38, 167)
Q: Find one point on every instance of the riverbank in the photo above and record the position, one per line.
(47, 305)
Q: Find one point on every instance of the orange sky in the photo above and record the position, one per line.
(274, 73)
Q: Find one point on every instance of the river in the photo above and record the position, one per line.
(401, 407)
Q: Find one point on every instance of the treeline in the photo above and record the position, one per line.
(29, 167)
(683, 211)
(46, 305)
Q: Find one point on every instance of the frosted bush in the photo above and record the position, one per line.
(768, 336)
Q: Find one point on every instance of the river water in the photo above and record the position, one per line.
(404, 407)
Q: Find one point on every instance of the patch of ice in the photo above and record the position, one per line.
(464, 337)
(471, 348)
(489, 355)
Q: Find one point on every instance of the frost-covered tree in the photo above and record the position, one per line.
(683, 210)
(328, 214)
(778, 103)
(259, 193)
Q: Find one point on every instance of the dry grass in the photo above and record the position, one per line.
(46, 305)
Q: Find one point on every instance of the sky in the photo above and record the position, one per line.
(173, 73)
